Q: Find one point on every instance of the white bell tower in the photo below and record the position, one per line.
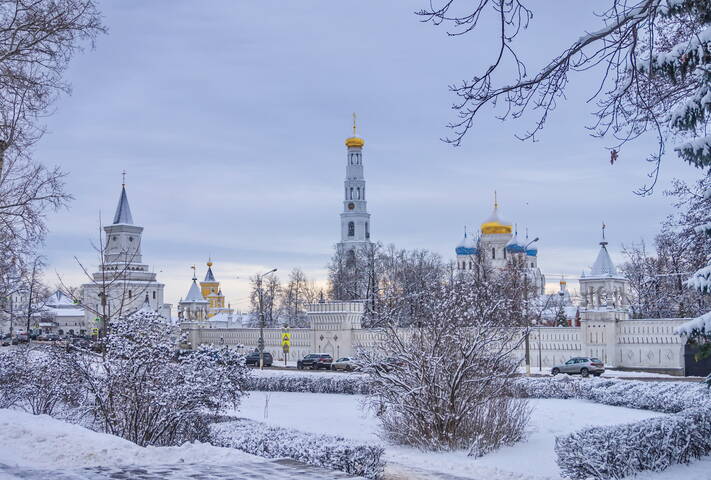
(355, 219)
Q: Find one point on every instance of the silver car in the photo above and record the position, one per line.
(581, 365)
(345, 363)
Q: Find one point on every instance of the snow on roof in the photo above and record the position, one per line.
(603, 265)
(66, 312)
(59, 299)
(123, 211)
(194, 294)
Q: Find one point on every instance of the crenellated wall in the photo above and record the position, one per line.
(648, 344)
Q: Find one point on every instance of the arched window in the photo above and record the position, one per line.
(130, 294)
(493, 253)
(367, 230)
(351, 229)
(351, 193)
(471, 265)
(358, 193)
(154, 294)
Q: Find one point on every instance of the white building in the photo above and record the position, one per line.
(127, 280)
(355, 219)
(61, 316)
(497, 244)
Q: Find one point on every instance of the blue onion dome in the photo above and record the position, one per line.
(514, 246)
(532, 251)
(466, 246)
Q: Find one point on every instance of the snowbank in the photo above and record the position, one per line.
(41, 441)
(327, 451)
(667, 397)
(624, 450)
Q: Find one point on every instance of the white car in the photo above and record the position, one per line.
(345, 363)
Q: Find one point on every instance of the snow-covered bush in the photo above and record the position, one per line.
(38, 380)
(668, 397)
(326, 451)
(140, 391)
(617, 451)
(444, 383)
(309, 383)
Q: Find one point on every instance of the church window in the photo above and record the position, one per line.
(130, 239)
(493, 253)
(130, 294)
(351, 193)
(531, 264)
(154, 294)
(351, 229)
(471, 265)
(367, 230)
(114, 239)
(363, 192)
(358, 193)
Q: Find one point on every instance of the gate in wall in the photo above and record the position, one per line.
(692, 368)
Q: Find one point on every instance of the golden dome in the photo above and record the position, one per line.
(209, 264)
(355, 142)
(494, 224)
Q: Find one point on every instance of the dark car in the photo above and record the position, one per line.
(315, 361)
(253, 359)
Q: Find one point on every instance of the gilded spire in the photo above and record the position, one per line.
(354, 124)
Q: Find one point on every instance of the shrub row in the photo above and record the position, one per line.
(326, 451)
(617, 451)
(667, 397)
(311, 383)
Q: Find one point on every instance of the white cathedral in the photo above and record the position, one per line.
(497, 244)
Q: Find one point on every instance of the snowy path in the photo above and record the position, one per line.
(272, 470)
(532, 459)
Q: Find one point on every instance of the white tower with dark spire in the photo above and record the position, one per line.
(355, 219)
(128, 282)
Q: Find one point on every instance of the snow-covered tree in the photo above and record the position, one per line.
(654, 59)
(139, 390)
(443, 384)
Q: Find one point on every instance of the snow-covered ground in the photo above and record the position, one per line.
(532, 459)
(40, 441)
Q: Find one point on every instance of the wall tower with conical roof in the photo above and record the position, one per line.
(122, 273)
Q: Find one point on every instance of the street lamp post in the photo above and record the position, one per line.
(260, 343)
(528, 327)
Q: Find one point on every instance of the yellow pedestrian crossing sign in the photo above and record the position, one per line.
(285, 339)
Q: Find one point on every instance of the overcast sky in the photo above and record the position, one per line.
(229, 118)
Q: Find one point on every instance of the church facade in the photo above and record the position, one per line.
(497, 244)
(205, 302)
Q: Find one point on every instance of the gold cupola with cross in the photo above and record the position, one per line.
(210, 290)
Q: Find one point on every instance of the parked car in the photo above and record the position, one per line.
(5, 342)
(21, 338)
(581, 365)
(53, 337)
(43, 337)
(345, 363)
(315, 361)
(253, 359)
